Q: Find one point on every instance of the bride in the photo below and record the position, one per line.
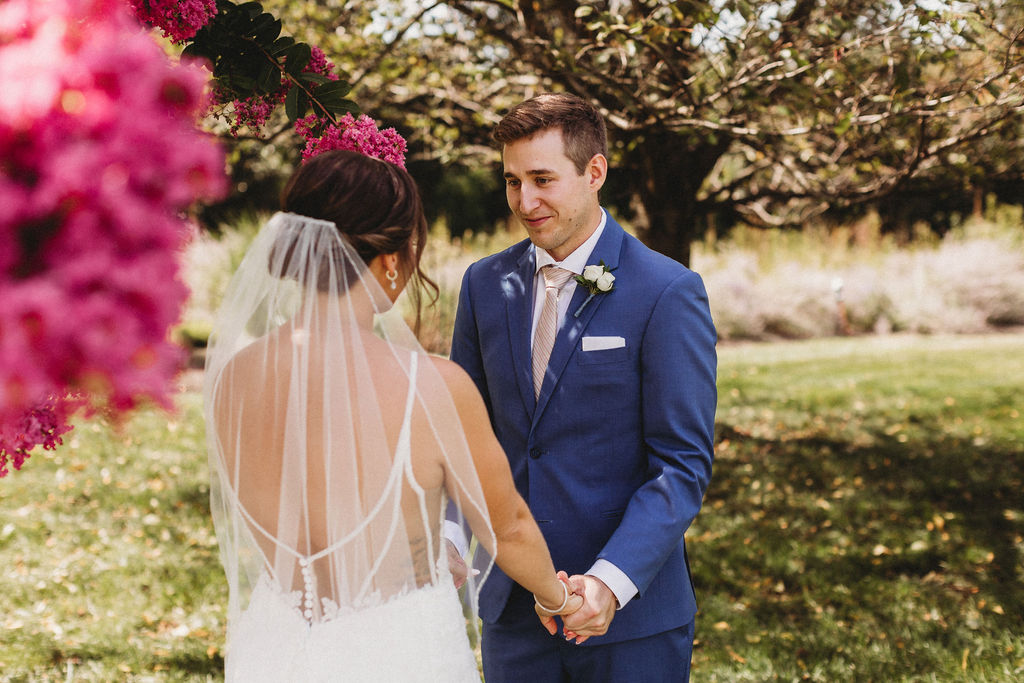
(336, 443)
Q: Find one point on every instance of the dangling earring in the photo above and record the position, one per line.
(392, 276)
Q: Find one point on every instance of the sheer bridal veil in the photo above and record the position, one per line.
(334, 443)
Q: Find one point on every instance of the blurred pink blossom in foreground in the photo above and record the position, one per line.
(100, 153)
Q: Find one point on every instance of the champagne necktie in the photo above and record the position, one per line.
(547, 326)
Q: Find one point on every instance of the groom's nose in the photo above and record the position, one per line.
(529, 199)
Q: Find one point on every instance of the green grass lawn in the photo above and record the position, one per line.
(864, 523)
(866, 513)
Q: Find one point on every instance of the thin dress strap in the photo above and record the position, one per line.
(404, 448)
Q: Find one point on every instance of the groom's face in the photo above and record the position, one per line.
(557, 205)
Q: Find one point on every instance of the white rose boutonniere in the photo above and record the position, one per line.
(598, 280)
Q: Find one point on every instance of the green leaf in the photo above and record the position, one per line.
(280, 45)
(311, 78)
(346, 107)
(296, 58)
(252, 9)
(296, 103)
(199, 51)
(269, 78)
(239, 19)
(265, 30)
(332, 89)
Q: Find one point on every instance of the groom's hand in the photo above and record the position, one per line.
(597, 612)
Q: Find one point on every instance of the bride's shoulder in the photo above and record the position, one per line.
(455, 380)
(247, 362)
(450, 371)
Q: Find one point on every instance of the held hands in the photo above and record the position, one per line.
(597, 612)
(569, 604)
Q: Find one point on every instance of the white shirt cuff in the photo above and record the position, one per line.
(454, 533)
(616, 580)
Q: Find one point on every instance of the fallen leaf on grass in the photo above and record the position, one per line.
(734, 656)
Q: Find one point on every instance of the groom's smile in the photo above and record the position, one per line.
(535, 222)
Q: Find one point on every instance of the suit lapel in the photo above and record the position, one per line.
(607, 249)
(517, 289)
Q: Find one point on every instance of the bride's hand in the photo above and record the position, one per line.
(570, 604)
(456, 565)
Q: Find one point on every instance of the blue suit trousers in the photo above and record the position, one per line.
(517, 649)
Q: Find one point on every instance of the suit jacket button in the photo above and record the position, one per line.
(535, 453)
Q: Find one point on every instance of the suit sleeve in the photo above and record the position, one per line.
(678, 385)
(465, 351)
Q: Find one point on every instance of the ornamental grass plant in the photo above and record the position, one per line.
(853, 280)
(762, 285)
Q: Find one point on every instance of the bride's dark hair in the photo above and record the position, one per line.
(375, 205)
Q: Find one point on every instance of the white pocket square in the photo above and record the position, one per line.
(602, 343)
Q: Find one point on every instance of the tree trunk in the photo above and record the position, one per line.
(670, 172)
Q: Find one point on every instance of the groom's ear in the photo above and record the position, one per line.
(597, 172)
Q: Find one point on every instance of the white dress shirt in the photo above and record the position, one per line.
(574, 262)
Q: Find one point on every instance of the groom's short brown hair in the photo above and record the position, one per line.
(582, 126)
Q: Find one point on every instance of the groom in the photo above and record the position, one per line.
(610, 439)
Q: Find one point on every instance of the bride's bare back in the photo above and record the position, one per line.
(258, 422)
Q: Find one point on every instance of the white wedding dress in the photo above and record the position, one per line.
(334, 445)
(419, 636)
(416, 638)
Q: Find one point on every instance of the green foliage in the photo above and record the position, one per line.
(249, 58)
(770, 112)
(775, 111)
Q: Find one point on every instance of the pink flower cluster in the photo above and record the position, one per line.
(253, 112)
(178, 19)
(355, 134)
(42, 425)
(100, 154)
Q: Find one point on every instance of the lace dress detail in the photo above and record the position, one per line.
(418, 635)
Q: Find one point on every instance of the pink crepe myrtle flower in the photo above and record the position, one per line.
(356, 134)
(43, 425)
(100, 156)
(253, 112)
(179, 20)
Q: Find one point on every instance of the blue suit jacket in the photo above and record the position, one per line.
(614, 456)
